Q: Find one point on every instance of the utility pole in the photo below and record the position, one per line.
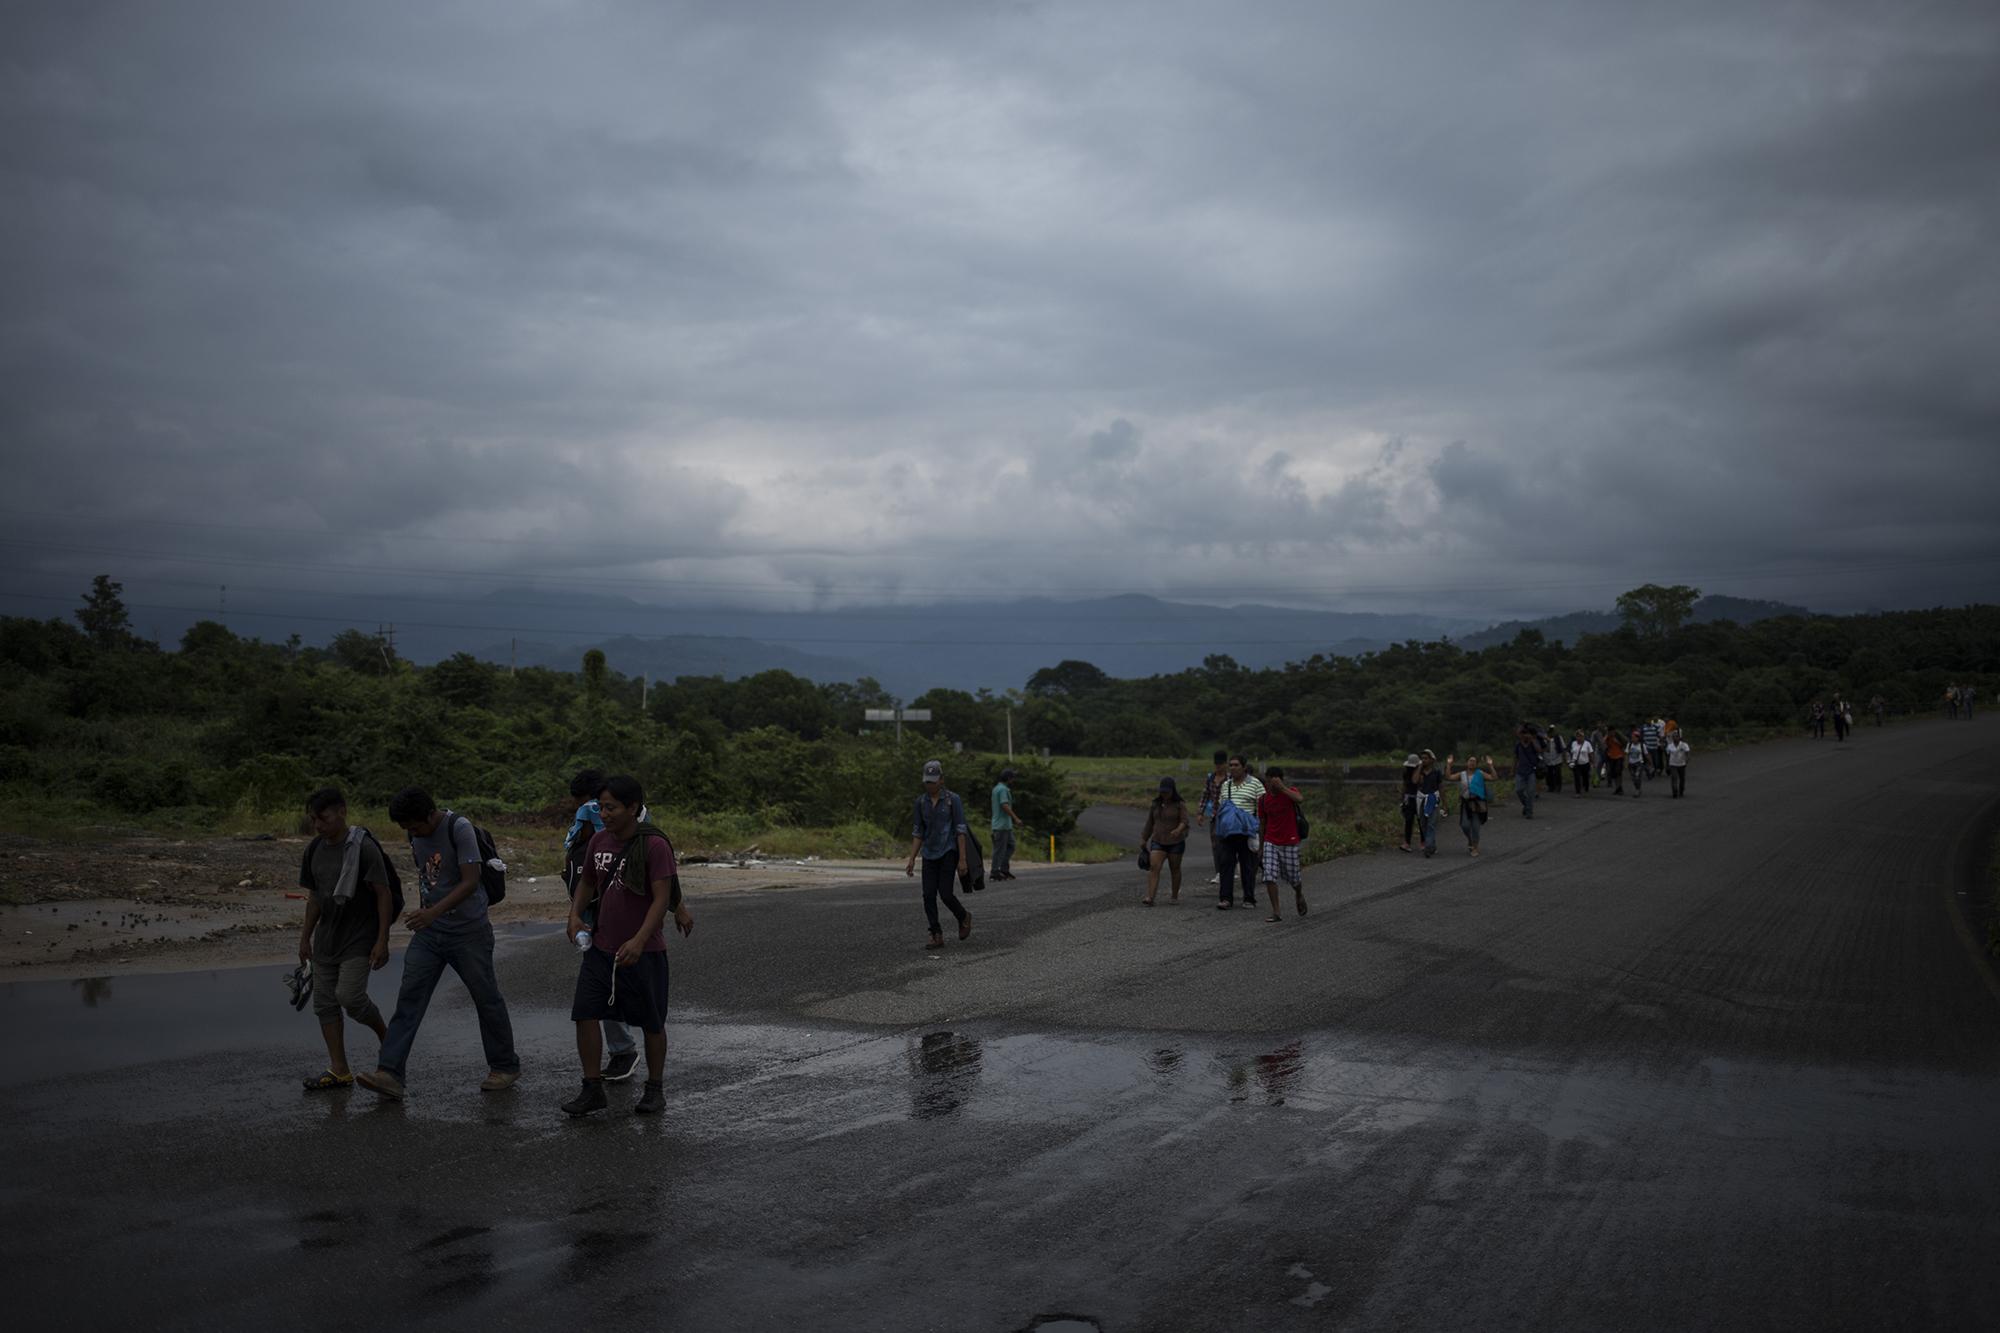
(513, 651)
(222, 604)
(1010, 733)
(642, 691)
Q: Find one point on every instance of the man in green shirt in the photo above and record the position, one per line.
(1003, 825)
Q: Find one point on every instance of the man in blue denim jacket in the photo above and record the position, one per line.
(938, 831)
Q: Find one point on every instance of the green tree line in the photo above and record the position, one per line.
(90, 712)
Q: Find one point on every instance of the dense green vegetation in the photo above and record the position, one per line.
(91, 714)
(1714, 678)
(231, 725)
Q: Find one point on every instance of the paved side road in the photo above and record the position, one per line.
(1721, 1062)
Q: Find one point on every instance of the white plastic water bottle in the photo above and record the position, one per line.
(583, 941)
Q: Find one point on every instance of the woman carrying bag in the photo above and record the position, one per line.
(1474, 792)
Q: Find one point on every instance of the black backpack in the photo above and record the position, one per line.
(492, 870)
(388, 867)
(575, 855)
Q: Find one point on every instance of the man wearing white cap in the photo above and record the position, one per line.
(938, 831)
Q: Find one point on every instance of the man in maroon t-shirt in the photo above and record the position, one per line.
(628, 883)
(1278, 819)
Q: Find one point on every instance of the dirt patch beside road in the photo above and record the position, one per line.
(87, 906)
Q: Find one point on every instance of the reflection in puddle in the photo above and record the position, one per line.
(93, 990)
(1278, 1071)
(944, 1071)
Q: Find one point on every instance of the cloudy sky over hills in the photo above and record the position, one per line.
(1485, 309)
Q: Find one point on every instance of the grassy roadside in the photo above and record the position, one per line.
(530, 841)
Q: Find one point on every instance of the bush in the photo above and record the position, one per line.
(1709, 709)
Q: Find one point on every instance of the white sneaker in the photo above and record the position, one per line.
(1215, 879)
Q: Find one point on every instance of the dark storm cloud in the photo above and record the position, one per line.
(1148, 297)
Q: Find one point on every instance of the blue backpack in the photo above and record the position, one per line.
(1232, 819)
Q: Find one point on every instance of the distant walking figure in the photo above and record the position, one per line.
(1410, 798)
(1236, 822)
(1002, 824)
(1205, 815)
(1430, 783)
(1527, 759)
(1278, 823)
(1677, 764)
(938, 831)
(1582, 754)
(1555, 755)
(1474, 791)
(1165, 838)
(1818, 720)
(1840, 719)
(1635, 746)
(1614, 760)
(1654, 734)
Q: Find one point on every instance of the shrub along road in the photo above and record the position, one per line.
(1721, 1061)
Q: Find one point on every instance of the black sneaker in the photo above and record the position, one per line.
(653, 1102)
(620, 1066)
(590, 1099)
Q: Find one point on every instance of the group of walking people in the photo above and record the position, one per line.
(1601, 756)
(624, 883)
(1256, 830)
(1958, 701)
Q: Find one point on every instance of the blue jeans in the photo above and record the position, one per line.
(1003, 850)
(1524, 787)
(618, 1037)
(470, 954)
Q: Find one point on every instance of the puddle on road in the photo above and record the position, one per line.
(90, 1024)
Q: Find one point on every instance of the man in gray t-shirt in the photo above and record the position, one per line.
(448, 929)
(441, 856)
(345, 935)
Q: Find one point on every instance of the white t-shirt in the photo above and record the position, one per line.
(1677, 755)
(1581, 752)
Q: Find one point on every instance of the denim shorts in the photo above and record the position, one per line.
(1170, 848)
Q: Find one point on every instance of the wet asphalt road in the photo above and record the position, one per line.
(1720, 1062)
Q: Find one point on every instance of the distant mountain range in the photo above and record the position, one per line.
(908, 649)
(676, 655)
(995, 645)
(1569, 628)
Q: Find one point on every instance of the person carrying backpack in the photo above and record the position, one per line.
(1236, 798)
(1280, 816)
(938, 830)
(1475, 792)
(585, 824)
(352, 896)
(630, 883)
(449, 929)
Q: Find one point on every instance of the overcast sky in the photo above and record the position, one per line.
(1479, 308)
